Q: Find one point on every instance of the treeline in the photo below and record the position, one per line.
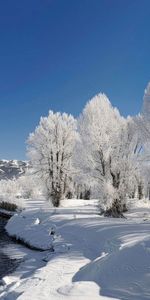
(98, 155)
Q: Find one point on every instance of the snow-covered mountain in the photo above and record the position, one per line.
(10, 169)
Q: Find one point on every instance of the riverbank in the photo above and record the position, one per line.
(6, 213)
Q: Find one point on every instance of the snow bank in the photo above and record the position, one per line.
(35, 228)
(32, 230)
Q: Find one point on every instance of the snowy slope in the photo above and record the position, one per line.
(94, 257)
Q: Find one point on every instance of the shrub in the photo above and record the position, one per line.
(8, 206)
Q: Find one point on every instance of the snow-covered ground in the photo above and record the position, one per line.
(87, 256)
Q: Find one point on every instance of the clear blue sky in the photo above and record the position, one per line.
(56, 54)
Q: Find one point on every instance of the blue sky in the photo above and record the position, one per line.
(57, 54)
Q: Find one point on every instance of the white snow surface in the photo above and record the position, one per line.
(93, 258)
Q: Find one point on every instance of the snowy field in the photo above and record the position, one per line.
(86, 255)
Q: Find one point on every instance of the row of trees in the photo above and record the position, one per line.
(98, 154)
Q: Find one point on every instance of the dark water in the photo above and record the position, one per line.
(7, 264)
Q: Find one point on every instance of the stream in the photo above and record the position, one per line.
(7, 264)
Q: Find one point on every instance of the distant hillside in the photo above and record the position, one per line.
(10, 169)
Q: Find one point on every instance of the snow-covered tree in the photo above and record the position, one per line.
(142, 129)
(146, 103)
(98, 125)
(106, 148)
(123, 162)
(50, 149)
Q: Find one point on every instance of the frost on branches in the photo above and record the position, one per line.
(50, 150)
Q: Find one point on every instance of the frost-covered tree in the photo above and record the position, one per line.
(98, 125)
(105, 148)
(123, 162)
(146, 103)
(98, 128)
(142, 129)
(50, 149)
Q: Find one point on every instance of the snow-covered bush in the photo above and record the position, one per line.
(10, 194)
(8, 205)
(14, 191)
(29, 186)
